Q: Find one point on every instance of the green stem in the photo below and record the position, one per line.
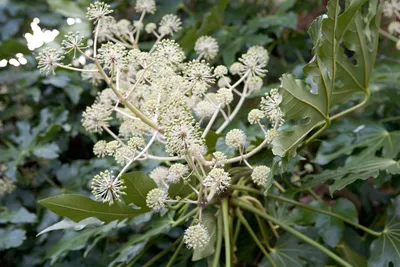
(388, 35)
(254, 236)
(176, 253)
(225, 216)
(359, 105)
(185, 217)
(125, 101)
(219, 242)
(395, 118)
(316, 134)
(246, 206)
(305, 206)
(162, 253)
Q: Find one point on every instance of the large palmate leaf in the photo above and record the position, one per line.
(372, 137)
(77, 208)
(350, 173)
(386, 248)
(290, 251)
(332, 75)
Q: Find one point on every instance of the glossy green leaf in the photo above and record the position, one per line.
(331, 76)
(181, 188)
(77, 208)
(138, 184)
(348, 174)
(290, 251)
(385, 250)
(68, 224)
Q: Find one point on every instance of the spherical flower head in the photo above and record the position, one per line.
(97, 11)
(95, 117)
(176, 172)
(199, 72)
(220, 71)
(270, 105)
(123, 155)
(271, 135)
(254, 62)
(138, 25)
(107, 187)
(260, 175)
(100, 148)
(390, 7)
(236, 68)
(255, 116)
(205, 109)
(150, 27)
(48, 59)
(206, 47)
(156, 199)
(224, 96)
(181, 135)
(169, 24)
(219, 159)
(112, 147)
(217, 179)
(7, 186)
(235, 138)
(107, 97)
(136, 143)
(196, 237)
(112, 55)
(72, 42)
(394, 27)
(254, 84)
(261, 51)
(169, 51)
(223, 82)
(148, 6)
(159, 175)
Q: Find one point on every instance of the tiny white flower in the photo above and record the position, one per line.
(107, 187)
(217, 179)
(98, 10)
(150, 27)
(48, 59)
(176, 172)
(7, 186)
(73, 42)
(219, 159)
(156, 199)
(169, 24)
(255, 83)
(220, 71)
(159, 175)
(207, 47)
(196, 237)
(148, 6)
(255, 116)
(260, 175)
(95, 117)
(235, 138)
(271, 135)
(100, 149)
(205, 109)
(224, 96)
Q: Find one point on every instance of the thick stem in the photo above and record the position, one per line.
(225, 215)
(218, 246)
(242, 204)
(75, 69)
(347, 111)
(254, 236)
(305, 206)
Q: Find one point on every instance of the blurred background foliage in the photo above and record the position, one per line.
(45, 151)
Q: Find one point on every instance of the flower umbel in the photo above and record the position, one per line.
(156, 198)
(196, 237)
(107, 187)
(48, 59)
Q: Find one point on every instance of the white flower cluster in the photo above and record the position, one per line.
(196, 237)
(157, 99)
(107, 187)
(391, 9)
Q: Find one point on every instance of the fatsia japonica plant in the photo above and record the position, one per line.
(163, 106)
